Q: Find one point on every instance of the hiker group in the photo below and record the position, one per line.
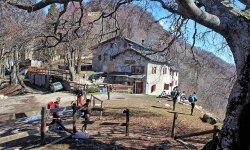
(176, 94)
(56, 110)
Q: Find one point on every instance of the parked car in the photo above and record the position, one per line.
(56, 86)
(97, 76)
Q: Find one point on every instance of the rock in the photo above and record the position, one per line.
(209, 118)
(167, 105)
(1, 96)
(80, 135)
(198, 107)
(159, 101)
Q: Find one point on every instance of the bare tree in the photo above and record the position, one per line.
(17, 28)
(223, 17)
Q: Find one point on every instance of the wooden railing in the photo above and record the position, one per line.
(122, 88)
(212, 131)
(41, 70)
(94, 105)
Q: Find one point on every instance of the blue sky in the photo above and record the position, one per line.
(213, 41)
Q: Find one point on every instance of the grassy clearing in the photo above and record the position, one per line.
(157, 106)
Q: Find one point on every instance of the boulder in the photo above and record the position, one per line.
(167, 105)
(198, 107)
(209, 118)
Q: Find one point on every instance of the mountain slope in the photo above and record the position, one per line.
(211, 79)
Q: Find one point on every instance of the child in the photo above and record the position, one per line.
(86, 110)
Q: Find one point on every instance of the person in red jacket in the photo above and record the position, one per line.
(54, 104)
(79, 99)
(54, 107)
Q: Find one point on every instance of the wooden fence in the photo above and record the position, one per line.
(57, 72)
(122, 88)
(213, 131)
(95, 106)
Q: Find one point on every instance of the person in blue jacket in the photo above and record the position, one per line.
(192, 99)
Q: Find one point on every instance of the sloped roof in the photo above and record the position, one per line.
(148, 54)
(118, 37)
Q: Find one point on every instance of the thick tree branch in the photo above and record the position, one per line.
(36, 6)
(189, 9)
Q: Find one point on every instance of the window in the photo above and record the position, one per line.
(137, 69)
(100, 57)
(111, 45)
(105, 55)
(154, 70)
(164, 70)
(153, 88)
(166, 86)
(176, 73)
(129, 62)
(111, 58)
(171, 73)
(125, 45)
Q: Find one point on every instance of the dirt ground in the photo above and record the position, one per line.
(150, 122)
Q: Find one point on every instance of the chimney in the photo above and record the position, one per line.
(142, 42)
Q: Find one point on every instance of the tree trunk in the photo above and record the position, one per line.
(235, 133)
(72, 73)
(2, 69)
(15, 68)
(79, 56)
(2, 62)
(71, 64)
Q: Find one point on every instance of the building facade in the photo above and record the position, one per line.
(130, 63)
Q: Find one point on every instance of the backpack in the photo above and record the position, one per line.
(190, 99)
(173, 93)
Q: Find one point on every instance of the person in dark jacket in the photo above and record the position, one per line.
(175, 93)
(86, 110)
(192, 99)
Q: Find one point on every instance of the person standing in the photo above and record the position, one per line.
(54, 109)
(175, 93)
(79, 98)
(86, 110)
(57, 102)
(192, 99)
(183, 96)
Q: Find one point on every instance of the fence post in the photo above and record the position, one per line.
(215, 131)
(173, 127)
(43, 125)
(85, 92)
(108, 92)
(127, 121)
(87, 87)
(93, 101)
(74, 117)
(101, 110)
